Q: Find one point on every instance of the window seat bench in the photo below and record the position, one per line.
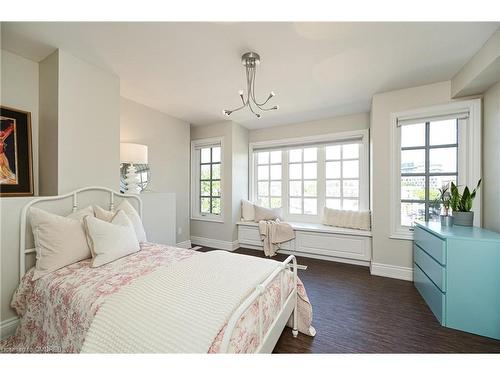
(316, 241)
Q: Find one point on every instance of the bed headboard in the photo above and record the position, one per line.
(64, 205)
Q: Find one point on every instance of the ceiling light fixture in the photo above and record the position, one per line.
(250, 60)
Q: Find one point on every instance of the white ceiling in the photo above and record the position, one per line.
(192, 70)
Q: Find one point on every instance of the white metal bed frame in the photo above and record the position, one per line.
(267, 340)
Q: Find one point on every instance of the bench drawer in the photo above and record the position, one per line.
(433, 245)
(432, 295)
(431, 268)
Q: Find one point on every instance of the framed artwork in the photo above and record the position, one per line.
(16, 166)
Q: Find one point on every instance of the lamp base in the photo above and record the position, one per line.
(132, 180)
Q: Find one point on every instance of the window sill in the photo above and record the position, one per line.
(210, 219)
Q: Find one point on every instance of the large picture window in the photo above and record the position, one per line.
(306, 175)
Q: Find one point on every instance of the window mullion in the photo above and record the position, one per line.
(321, 180)
(341, 178)
(427, 168)
(285, 198)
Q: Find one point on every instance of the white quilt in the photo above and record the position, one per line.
(177, 309)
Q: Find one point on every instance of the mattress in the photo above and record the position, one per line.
(56, 311)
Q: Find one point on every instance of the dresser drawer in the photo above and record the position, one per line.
(433, 245)
(431, 268)
(432, 295)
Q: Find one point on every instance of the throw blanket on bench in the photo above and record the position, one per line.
(177, 309)
(273, 233)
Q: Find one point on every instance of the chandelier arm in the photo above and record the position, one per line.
(253, 94)
(238, 108)
(251, 109)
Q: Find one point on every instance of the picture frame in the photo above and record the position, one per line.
(16, 154)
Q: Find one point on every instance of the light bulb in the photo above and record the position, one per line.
(240, 93)
(272, 94)
(276, 107)
(226, 112)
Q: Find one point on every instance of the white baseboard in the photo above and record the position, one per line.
(217, 244)
(394, 272)
(8, 327)
(184, 244)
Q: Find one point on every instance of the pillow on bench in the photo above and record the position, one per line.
(253, 212)
(347, 219)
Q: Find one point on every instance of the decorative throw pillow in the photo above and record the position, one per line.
(347, 219)
(262, 213)
(111, 240)
(59, 240)
(132, 214)
(247, 210)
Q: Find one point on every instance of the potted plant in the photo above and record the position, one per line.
(461, 204)
(445, 200)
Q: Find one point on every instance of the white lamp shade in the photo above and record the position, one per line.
(133, 153)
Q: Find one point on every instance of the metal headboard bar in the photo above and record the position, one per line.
(22, 240)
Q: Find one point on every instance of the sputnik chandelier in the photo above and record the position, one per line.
(250, 60)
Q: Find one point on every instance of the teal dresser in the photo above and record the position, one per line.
(457, 271)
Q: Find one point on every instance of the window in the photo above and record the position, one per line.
(303, 181)
(431, 148)
(210, 180)
(429, 160)
(304, 175)
(342, 176)
(206, 171)
(269, 177)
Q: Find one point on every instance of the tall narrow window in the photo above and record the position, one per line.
(269, 177)
(210, 180)
(429, 160)
(206, 177)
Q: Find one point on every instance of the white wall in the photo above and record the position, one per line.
(481, 70)
(491, 158)
(19, 90)
(89, 125)
(168, 141)
(331, 125)
(49, 114)
(239, 173)
(386, 250)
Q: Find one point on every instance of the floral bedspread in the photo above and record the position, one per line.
(57, 310)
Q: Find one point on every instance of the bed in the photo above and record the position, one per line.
(83, 309)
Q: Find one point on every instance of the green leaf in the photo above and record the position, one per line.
(464, 202)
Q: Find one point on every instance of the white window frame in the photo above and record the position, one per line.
(195, 179)
(469, 156)
(364, 178)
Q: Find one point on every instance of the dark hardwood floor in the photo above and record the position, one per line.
(355, 312)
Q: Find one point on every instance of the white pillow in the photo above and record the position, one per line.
(347, 219)
(247, 210)
(111, 240)
(59, 240)
(262, 213)
(132, 214)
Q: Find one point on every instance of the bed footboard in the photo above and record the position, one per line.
(288, 306)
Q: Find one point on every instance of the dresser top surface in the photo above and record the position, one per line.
(459, 232)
